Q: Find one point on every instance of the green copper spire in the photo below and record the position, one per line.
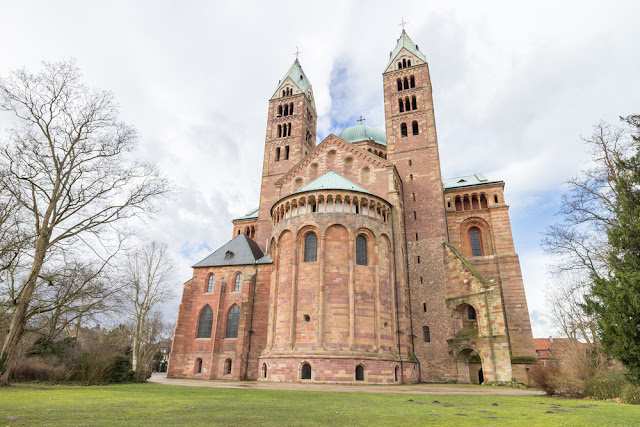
(297, 76)
(405, 42)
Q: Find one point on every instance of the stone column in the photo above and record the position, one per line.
(352, 295)
(294, 294)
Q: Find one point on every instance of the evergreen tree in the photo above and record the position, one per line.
(615, 297)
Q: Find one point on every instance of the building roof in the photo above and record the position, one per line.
(332, 181)
(406, 42)
(239, 251)
(363, 133)
(467, 181)
(298, 77)
(251, 215)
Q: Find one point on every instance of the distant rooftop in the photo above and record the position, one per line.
(467, 181)
(239, 251)
(364, 133)
(332, 181)
(251, 215)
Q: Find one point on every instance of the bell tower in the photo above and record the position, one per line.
(291, 134)
(412, 145)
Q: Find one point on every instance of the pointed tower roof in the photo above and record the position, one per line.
(239, 251)
(332, 181)
(297, 76)
(405, 42)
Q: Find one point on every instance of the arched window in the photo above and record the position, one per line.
(238, 283)
(403, 130)
(291, 108)
(286, 152)
(414, 103)
(412, 82)
(410, 162)
(399, 65)
(198, 366)
(404, 63)
(495, 198)
(233, 321)
(399, 84)
(283, 93)
(279, 110)
(414, 126)
(410, 177)
(458, 203)
(279, 131)
(395, 373)
(310, 247)
(426, 333)
(359, 373)
(400, 106)
(212, 282)
(474, 238)
(471, 313)
(264, 370)
(407, 104)
(409, 63)
(227, 367)
(361, 250)
(483, 201)
(205, 323)
(306, 372)
(406, 83)
(286, 109)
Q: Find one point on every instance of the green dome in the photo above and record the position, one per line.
(363, 133)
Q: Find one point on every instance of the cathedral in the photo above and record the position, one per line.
(361, 264)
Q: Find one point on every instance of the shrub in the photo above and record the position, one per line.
(94, 368)
(119, 368)
(543, 375)
(607, 386)
(40, 369)
(631, 394)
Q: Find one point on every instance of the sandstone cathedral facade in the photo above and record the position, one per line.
(361, 263)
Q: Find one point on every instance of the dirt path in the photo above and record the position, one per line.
(161, 378)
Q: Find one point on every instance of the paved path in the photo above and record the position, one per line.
(161, 378)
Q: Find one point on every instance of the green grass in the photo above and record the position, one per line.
(157, 404)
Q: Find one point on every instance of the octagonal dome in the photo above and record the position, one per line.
(363, 133)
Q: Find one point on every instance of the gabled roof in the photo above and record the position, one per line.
(251, 215)
(363, 133)
(332, 181)
(297, 76)
(239, 251)
(405, 42)
(467, 181)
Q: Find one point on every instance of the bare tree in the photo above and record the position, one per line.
(67, 164)
(148, 282)
(579, 243)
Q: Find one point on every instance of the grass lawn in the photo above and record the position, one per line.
(158, 404)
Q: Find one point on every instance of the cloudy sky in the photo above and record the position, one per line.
(514, 88)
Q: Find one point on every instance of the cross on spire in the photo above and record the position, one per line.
(297, 52)
(402, 23)
(361, 119)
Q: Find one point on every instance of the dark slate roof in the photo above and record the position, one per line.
(243, 251)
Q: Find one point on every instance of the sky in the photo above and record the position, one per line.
(515, 86)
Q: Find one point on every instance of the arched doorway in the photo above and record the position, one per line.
(469, 366)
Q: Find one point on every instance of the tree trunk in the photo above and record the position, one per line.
(7, 357)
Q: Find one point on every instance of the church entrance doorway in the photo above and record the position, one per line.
(469, 366)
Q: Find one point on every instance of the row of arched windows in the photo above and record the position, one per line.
(330, 204)
(404, 132)
(284, 130)
(286, 92)
(378, 153)
(311, 249)
(248, 231)
(404, 63)
(406, 83)
(211, 282)
(284, 152)
(467, 203)
(287, 110)
(305, 372)
(205, 322)
(407, 104)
